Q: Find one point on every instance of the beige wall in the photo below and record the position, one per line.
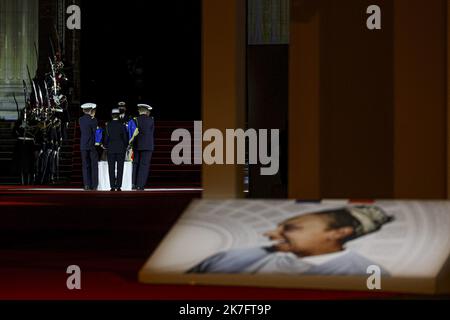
(304, 102)
(223, 87)
(448, 99)
(368, 110)
(420, 99)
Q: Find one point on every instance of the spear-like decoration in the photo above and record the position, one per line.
(40, 96)
(55, 87)
(47, 94)
(17, 106)
(37, 54)
(32, 84)
(58, 41)
(52, 48)
(38, 104)
(25, 91)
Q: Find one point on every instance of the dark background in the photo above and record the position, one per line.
(150, 52)
(143, 51)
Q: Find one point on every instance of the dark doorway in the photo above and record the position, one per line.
(143, 51)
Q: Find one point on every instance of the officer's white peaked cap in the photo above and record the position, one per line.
(146, 106)
(89, 106)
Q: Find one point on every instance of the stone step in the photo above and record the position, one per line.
(163, 171)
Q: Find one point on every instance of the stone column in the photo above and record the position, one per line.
(19, 27)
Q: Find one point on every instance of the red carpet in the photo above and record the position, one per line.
(110, 236)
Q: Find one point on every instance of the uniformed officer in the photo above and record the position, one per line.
(25, 148)
(143, 146)
(124, 117)
(89, 155)
(116, 142)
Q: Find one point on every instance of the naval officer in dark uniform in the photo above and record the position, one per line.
(89, 155)
(143, 146)
(124, 117)
(116, 142)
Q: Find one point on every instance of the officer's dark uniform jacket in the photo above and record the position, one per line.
(89, 156)
(143, 146)
(124, 119)
(116, 139)
(144, 140)
(88, 126)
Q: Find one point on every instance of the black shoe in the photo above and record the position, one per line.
(87, 188)
(140, 189)
(118, 189)
(134, 187)
(112, 190)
